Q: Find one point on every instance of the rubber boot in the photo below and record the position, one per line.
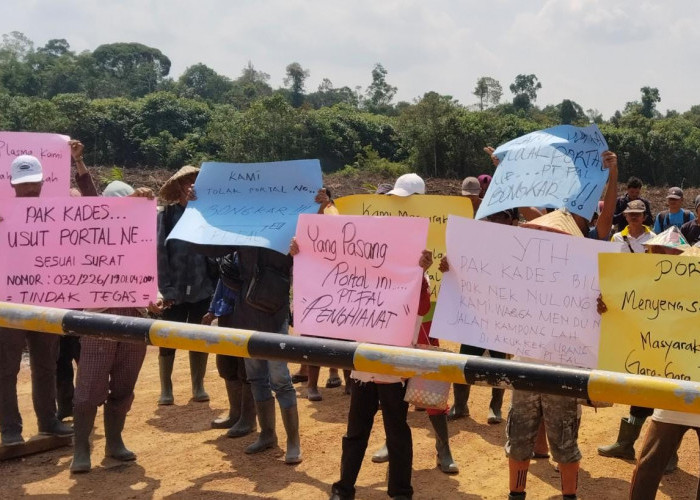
(83, 422)
(114, 446)
(569, 479)
(246, 422)
(290, 419)
(198, 368)
(233, 390)
(624, 446)
(672, 464)
(55, 428)
(165, 367)
(442, 445)
(495, 406)
(381, 455)
(64, 399)
(518, 477)
(266, 417)
(459, 408)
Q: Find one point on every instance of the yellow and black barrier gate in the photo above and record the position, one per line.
(594, 385)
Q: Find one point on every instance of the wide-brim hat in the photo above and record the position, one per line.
(692, 252)
(671, 238)
(558, 221)
(170, 192)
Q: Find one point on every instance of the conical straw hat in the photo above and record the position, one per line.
(170, 192)
(692, 252)
(558, 221)
(671, 237)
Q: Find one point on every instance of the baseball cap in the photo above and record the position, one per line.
(470, 186)
(635, 207)
(675, 192)
(484, 179)
(118, 189)
(408, 184)
(24, 169)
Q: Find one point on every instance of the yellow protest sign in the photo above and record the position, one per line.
(433, 207)
(653, 303)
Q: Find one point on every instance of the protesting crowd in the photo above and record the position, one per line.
(248, 287)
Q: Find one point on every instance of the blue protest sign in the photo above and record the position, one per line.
(250, 204)
(559, 167)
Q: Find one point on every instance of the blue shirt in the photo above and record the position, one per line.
(671, 220)
(223, 300)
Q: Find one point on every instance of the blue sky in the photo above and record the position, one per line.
(598, 53)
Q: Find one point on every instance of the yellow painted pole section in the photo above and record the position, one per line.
(32, 318)
(639, 390)
(407, 362)
(202, 338)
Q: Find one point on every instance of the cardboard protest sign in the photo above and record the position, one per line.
(653, 304)
(521, 291)
(357, 278)
(434, 208)
(78, 252)
(250, 204)
(51, 150)
(559, 167)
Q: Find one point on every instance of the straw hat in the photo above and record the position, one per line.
(671, 238)
(692, 252)
(170, 192)
(558, 221)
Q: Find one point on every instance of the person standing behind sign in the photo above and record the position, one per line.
(27, 180)
(185, 283)
(107, 374)
(635, 232)
(634, 189)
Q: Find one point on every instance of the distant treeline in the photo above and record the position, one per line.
(120, 102)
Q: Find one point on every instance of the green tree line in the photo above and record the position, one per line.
(122, 102)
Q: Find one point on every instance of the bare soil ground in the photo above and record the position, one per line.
(180, 457)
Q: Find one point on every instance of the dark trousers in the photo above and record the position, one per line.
(364, 404)
(43, 352)
(661, 442)
(230, 367)
(184, 313)
(69, 350)
(641, 412)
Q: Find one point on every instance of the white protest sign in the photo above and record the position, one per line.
(521, 291)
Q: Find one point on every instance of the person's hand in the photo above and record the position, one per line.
(609, 160)
(76, 150)
(494, 159)
(293, 247)
(143, 192)
(426, 259)
(600, 305)
(156, 308)
(322, 197)
(444, 264)
(208, 318)
(1, 219)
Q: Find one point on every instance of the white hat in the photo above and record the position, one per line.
(26, 168)
(408, 184)
(118, 189)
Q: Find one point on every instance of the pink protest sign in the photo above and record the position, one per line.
(51, 150)
(78, 252)
(357, 278)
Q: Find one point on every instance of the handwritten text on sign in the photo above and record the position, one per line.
(51, 150)
(78, 252)
(557, 167)
(521, 291)
(650, 327)
(357, 278)
(250, 204)
(434, 208)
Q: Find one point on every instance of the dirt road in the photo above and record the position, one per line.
(180, 457)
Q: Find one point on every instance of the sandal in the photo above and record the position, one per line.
(333, 382)
(298, 377)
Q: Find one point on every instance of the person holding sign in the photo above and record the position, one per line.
(27, 181)
(185, 283)
(107, 374)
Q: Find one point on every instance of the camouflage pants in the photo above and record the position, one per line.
(561, 419)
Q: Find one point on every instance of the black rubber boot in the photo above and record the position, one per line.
(114, 446)
(233, 390)
(266, 417)
(245, 424)
(624, 446)
(198, 368)
(64, 399)
(442, 445)
(83, 422)
(165, 368)
(459, 408)
(290, 419)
